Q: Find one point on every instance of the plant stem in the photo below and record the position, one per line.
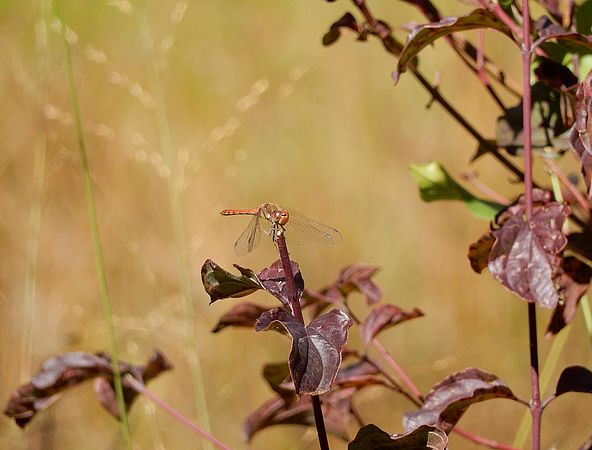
(141, 389)
(297, 311)
(535, 403)
(94, 230)
(398, 370)
(395, 47)
(177, 219)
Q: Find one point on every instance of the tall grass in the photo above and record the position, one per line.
(174, 185)
(94, 230)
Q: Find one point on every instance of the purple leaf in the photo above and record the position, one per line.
(220, 284)
(358, 278)
(574, 42)
(277, 376)
(359, 375)
(423, 35)
(574, 282)
(581, 131)
(449, 399)
(526, 256)
(479, 252)
(347, 21)
(315, 355)
(241, 315)
(278, 411)
(317, 301)
(71, 369)
(383, 317)
(574, 379)
(273, 280)
(370, 437)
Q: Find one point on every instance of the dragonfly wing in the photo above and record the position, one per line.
(301, 230)
(249, 239)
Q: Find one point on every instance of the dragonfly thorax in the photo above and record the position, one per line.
(275, 214)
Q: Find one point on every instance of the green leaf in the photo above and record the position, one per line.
(436, 184)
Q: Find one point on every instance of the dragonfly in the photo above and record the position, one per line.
(297, 228)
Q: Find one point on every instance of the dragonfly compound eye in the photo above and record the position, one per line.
(284, 216)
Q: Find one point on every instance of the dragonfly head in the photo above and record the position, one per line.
(281, 217)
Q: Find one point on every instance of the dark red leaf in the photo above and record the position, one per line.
(70, 369)
(574, 379)
(574, 42)
(581, 131)
(359, 375)
(220, 284)
(526, 256)
(423, 35)
(315, 302)
(358, 278)
(241, 315)
(279, 412)
(273, 280)
(383, 317)
(315, 355)
(479, 252)
(574, 282)
(370, 437)
(427, 8)
(449, 399)
(277, 376)
(346, 21)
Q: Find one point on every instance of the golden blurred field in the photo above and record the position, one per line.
(240, 101)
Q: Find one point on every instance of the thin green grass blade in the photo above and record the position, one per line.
(94, 229)
(177, 217)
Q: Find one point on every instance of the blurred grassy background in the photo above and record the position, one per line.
(258, 111)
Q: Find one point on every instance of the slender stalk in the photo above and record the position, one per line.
(398, 370)
(96, 239)
(32, 258)
(141, 389)
(535, 404)
(297, 311)
(177, 218)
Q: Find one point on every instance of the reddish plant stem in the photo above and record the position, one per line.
(398, 370)
(280, 240)
(141, 389)
(535, 403)
(482, 441)
(536, 409)
(568, 185)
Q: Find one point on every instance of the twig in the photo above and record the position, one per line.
(394, 47)
(297, 310)
(535, 405)
(398, 370)
(141, 389)
(482, 441)
(569, 185)
(472, 178)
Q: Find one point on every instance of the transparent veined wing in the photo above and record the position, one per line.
(301, 230)
(249, 238)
